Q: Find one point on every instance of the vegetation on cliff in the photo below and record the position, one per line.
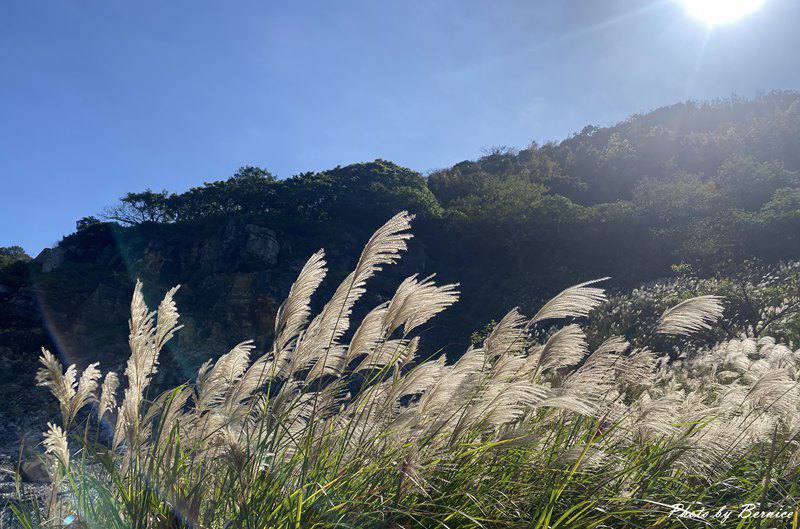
(338, 427)
(702, 187)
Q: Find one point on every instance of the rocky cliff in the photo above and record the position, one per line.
(74, 298)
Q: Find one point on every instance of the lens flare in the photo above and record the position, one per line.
(719, 12)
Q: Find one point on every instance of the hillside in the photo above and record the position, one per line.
(706, 185)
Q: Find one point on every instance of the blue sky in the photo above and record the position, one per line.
(98, 98)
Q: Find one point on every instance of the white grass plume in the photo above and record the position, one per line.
(414, 303)
(72, 391)
(108, 394)
(214, 383)
(775, 391)
(501, 404)
(597, 375)
(146, 339)
(143, 360)
(382, 248)
(165, 414)
(507, 337)
(454, 382)
(332, 363)
(55, 443)
(567, 400)
(421, 378)
(566, 347)
(293, 313)
(391, 352)
(61, 384)
(575, 301)
(371, 331)
(262, 370)
(417, 301)
(87, 387)
(690, 316)
(637, 370)
(614, 344)
(167, 324)
(512, 367)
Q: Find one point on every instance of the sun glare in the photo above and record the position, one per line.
(719, 12)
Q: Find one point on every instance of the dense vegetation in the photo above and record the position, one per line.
(10, 255)
(694, 190)
(702, 185)
(532, 427)
(694, 183)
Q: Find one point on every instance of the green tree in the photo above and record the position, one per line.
(749, 184)
(12, 254)
(137, 208)
(86, 222)
(250, 190)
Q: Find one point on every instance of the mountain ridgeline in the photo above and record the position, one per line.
(700, 186)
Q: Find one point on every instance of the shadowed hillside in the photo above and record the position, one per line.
(706, 185)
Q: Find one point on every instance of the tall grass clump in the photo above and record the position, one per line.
(345, 425)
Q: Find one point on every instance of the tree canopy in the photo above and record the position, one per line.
(701, 183)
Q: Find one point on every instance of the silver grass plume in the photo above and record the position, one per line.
(108, 397)
(414, 303)
(638, 369)
(500, 404)
(146, 338)
(256, 376)
(87, 387)
(55, 443)
(168, 316)
(391, 352)
(71, 391)
(597, 375)
(143, 337)
(214, 383)
(417, 301)
(566, 347)
(293, 313)
(371, 331)
(507, 337)
(565, 400)
(454, 382)
(614, 344)
(408, 354)
(775, 391)
(166, 413)
(332, 364)
(575, 301)
(690, 316)
(652, 418)
(382, 248)
(420, 379)
(713, 449)
(61, 384)
(585, 457)
(512, 367)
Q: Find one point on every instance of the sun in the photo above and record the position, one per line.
(719, 12)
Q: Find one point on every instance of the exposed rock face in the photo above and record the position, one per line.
(231, 277)
(51, 258)
(261, 245)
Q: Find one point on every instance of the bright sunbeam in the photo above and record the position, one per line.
(719, 12)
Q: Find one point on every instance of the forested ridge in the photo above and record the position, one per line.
(693, 188)
(699, 183)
